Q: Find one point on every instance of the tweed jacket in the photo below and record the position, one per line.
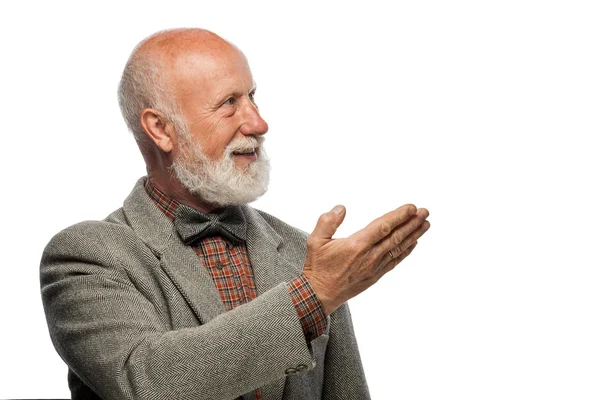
(134, 315)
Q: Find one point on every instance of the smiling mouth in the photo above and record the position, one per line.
(245, 152)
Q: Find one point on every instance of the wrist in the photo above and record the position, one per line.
(328, 303)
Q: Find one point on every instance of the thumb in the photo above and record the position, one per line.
(329, 222)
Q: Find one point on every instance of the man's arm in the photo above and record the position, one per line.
(120, 344)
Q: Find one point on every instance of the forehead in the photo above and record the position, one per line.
(214, 71)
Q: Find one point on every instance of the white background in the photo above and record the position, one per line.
(485, 112)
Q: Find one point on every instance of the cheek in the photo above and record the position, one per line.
(218, 140)
(215, 146)
(214, 137)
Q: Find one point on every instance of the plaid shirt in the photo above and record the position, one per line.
(229, 266)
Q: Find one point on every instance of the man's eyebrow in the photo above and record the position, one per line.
(235, 93)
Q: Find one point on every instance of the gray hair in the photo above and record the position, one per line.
(143, 86)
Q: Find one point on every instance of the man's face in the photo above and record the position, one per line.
(220, 156)
(216, 96)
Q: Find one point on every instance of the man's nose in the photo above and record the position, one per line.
(253, 123)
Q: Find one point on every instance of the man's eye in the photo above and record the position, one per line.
(230, 101)
(251, 96)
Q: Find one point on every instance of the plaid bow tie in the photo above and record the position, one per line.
(193, 225)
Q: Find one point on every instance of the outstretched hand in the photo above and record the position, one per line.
(339, 269)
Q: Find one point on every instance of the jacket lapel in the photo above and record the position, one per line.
(263, 244)
(179, 262)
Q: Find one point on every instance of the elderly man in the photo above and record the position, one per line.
(186, 292)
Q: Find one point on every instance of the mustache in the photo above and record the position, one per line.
(245, 144)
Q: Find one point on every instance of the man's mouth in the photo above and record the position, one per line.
(249, 155)
(244, 152)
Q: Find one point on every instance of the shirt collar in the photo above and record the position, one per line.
(166, 204)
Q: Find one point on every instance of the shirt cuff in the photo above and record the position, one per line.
(308, 306)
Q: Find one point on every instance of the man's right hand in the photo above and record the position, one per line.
(339, 269)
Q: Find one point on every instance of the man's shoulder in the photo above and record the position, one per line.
(114, 222)
(123, 227)
(111, 232)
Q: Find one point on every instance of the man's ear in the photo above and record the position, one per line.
(157, 129)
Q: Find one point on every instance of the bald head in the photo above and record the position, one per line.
(171, 45)
(158, 65)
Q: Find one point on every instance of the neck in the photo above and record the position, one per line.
(170, 186)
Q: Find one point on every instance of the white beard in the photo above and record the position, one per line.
(221, 183)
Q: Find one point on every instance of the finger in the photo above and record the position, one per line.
(397, 260)
(383, 226)
(415, 227)
(414, 236)
(409, 240)
(329, 222)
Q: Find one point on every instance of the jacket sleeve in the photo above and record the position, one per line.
(344, 377)
(119, 343)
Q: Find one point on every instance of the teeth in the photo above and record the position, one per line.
(244, 151)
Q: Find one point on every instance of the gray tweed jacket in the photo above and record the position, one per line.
(135, 316)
